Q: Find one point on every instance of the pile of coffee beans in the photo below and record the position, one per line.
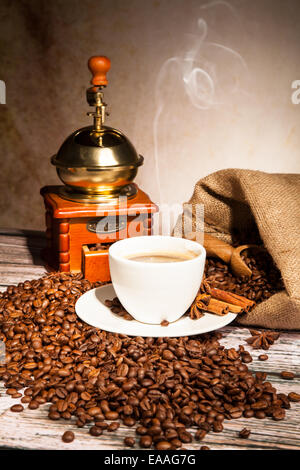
(99, 246)
(265, 280)
(165, 387)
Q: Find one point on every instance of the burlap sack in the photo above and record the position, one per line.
(256, 206)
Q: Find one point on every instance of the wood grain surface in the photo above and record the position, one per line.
(31, 429)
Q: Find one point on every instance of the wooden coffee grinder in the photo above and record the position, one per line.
(99, 203)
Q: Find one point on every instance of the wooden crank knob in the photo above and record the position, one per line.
(99, 66)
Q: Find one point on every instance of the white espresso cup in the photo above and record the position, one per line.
(152, 292)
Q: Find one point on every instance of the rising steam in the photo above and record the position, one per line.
(208, 73)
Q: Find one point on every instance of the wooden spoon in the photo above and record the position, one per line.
(230, 255)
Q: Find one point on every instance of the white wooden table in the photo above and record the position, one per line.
(31, 429)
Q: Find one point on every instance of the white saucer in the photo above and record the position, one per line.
(91, 309)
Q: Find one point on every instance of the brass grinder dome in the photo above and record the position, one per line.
(91, 171)
(97, 163)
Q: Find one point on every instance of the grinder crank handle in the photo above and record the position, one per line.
(99, 66)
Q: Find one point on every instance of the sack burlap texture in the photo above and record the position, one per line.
(255, 207)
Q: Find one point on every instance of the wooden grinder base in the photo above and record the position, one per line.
(71, 230)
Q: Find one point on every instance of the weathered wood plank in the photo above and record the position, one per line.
(22, 241)
(13, 274)
(21, 233)
(20, 255)
(284, 354)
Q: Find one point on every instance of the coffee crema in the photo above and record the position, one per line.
(162, 257)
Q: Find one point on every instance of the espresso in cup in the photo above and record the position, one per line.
(162, 257)
(156, 277)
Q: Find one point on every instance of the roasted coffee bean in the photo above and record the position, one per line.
(295, 397)
(171, 434)
(146, 441)
(128, 421)
(112, 427)
(260, 414)
(101, 424)
(17, 408)
(185, 436)
(95, 411)
(200, 435)
(283, 401)
(95, 431)
(122, 370)
(287, 375)
(141, 430)
(53, 415)
(259, 405)
(246, 358)
(263, 357)
(33, 405)
(168, 355)
(217, 426)
(129, 441)
(244, 433)
(85, 396)
(204, 448)
(111, 415)
(176, 443)
(163, 445)
(25, 399)
(127, 410)
(278, 414)
(68, 436)
(154, 430)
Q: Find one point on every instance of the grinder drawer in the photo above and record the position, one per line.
(95, 265)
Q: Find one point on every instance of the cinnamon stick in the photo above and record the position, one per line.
(231, 298)
(204, 303)
(243, 299)
(232, 308)
(219, 302)
(217, 307)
